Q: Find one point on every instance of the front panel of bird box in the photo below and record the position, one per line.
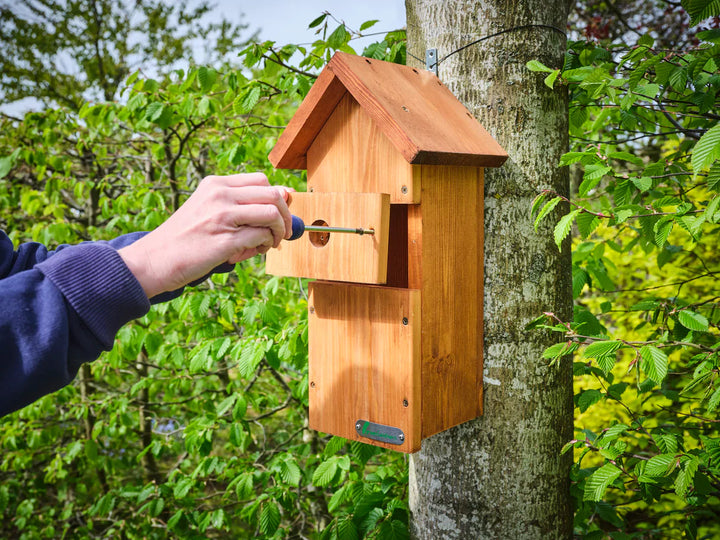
(364, 363)
(336, 256)
(351, 154)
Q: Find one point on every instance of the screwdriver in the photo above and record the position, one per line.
(299, 227)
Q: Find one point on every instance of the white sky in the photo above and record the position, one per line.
(286, 21)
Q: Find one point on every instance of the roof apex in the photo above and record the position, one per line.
(413, 108)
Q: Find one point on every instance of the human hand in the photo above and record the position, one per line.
(227, 219)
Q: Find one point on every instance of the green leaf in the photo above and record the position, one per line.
(206, 77)
(269, 518)
(338, 38)
(368, 24)
(6, 164)
(643, 183)
(182, 488)
(245, 103)
(599, 481)
(318, 21)
(699, 10)
(654, 363)
(346, 529)
(154, 111)
(325, 473)
(686, 475)
(660, 465)
(714, 400)
(707, 149)
(601, 348)
(693, 321)
(562, 229)
(534, 65)
(290, 472)
(550, 79)
(588, 398)
(713, 177)
(546, 210)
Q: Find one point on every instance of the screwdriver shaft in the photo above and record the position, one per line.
(317, 228)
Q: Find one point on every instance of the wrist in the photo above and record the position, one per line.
(137, 259)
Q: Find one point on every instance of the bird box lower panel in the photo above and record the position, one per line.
(336, 256)
(365, 363)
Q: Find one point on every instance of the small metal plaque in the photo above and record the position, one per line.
(379, 432)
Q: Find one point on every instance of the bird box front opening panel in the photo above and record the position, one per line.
(336, 256)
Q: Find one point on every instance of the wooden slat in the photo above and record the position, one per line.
(346, 257)
(352, 154)
(291, 148)
(364, 362)
(451, 274)
(419, 114)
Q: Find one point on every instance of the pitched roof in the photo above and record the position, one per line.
(412, 107)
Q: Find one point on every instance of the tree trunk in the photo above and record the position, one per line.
(501, 476)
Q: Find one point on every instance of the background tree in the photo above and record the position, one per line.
(500, 476)
(62, 53)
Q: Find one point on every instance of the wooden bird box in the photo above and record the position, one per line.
(395, 319)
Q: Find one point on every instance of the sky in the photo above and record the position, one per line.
(286, 21)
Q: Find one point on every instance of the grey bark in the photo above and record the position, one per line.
(501, 476)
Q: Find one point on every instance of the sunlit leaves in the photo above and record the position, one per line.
(599, 481)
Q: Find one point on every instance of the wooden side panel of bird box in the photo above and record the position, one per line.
(448, 228)
(351, 154)
(345, 257)
(364, 357)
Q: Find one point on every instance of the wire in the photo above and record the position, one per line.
(522, 27)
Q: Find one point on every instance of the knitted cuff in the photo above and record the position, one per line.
(99, 286)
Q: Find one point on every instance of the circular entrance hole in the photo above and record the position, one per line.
(319, 239)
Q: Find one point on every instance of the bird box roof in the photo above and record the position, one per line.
(412, 107)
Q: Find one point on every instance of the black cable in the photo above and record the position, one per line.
(522, 27)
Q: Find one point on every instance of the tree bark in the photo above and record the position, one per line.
(502, 476)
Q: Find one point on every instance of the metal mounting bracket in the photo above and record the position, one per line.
(431, 60)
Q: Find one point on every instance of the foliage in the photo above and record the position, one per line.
(195, 424)
(645, 213)
(94, 45)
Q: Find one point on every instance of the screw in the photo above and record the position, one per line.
(401, 437)
(405, 403)
(358, 425)
(404, 108)
(404, 190)
(312, 384)
(405, 321)
(312, 189)
(312, 309)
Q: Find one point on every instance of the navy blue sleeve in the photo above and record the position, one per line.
(59, 309)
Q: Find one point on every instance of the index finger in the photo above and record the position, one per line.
(245, 179)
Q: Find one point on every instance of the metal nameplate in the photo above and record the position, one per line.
(379, 432)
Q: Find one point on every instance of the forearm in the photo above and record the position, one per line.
(61, 313)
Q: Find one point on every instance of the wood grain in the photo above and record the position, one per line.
(346, 257)
(417, 112)
(451, 276)
(420, 117)
(291, 148)
(352, 154)
(364, 362)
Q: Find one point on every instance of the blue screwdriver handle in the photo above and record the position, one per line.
(298, 228)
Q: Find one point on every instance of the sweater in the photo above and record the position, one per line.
(60, 309)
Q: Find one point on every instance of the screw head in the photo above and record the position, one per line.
(405, 321)
(404, 190)
(312, 309)
(358, 425)
(405, 403)
(312, 384)
(401, 436)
